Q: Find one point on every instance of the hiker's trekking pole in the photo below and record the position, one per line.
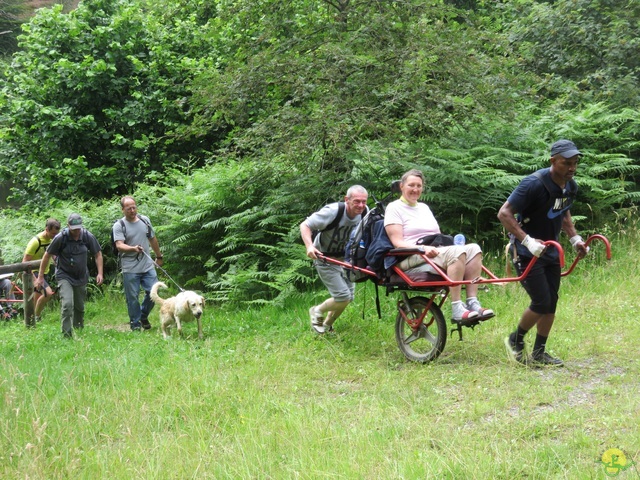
(163, 271)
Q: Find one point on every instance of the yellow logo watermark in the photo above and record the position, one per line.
(615, 461)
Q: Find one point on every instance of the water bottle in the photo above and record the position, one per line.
(459, 239)
(361, 244)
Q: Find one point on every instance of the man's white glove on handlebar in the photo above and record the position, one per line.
(535, 247)
(575, 240)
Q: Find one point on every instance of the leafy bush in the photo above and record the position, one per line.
(93, 99)
(587, 49)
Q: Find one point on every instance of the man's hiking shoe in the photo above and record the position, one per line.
(145, 324)
(317, 321)
(544, 360)
(515, 352)
(484, 313)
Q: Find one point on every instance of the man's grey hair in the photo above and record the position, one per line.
(356, 189)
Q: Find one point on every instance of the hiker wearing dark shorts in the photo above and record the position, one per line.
(334, 223)
(536, 211)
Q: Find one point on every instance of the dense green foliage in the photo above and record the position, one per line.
(233, 120)
(10, 13)
(93, 102)
(588, 49)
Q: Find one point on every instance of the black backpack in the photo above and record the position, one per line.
(39, 244)
(359, 242)
(65, 240)
(368, 246)
(369, 243)
(378, 248)
(114, 249)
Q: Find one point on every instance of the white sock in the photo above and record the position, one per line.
(458, 308)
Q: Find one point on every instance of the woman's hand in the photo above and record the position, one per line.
(431, 252)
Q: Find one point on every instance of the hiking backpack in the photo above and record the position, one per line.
(377, 250)
(39, 244)
(369, 244)
(359, 242)
(114, 249)
(65, 240)
(367, 247)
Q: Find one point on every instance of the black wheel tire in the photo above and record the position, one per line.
(428, 341)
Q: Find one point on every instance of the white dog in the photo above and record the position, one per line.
(184, 307)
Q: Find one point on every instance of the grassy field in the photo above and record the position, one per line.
(263, 397)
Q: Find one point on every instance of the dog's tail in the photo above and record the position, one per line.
(154, 293)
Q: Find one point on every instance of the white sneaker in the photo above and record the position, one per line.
(317, 320)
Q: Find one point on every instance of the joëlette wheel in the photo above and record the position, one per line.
(425, 342)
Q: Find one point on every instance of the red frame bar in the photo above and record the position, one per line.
(447, 282)
(17, 291)
(587, 242)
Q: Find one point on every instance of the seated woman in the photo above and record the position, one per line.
(407, 220)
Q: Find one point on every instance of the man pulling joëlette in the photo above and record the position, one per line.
(536, 211)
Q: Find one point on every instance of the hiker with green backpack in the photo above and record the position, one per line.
(327, 232)
(35, 251)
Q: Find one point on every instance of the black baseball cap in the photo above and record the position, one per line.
(564, 148)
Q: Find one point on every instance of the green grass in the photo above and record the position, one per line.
(263, 397)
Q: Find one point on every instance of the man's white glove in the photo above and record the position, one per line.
(534, 246)
(575, 241)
